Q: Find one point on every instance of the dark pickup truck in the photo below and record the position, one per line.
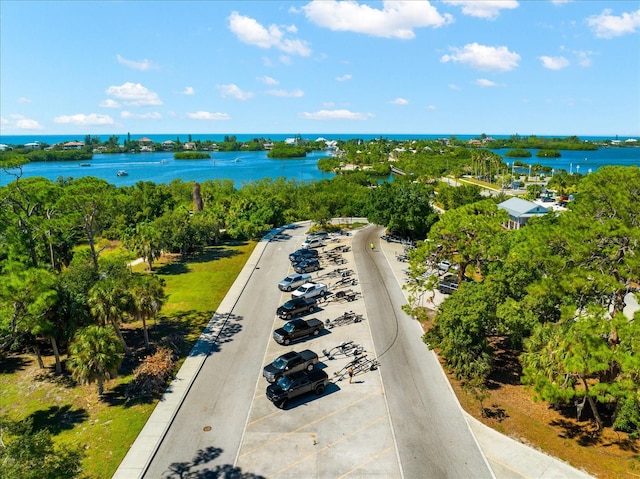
(297, 329)
(288, 363)
(297, 384)
(295, 307)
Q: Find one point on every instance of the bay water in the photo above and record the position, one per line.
(246, 166)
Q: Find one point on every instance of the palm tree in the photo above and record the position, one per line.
(146, 242)
(148, 296)
(108, 302)
(95, 355)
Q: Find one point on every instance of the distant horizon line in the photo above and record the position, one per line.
(378, 134)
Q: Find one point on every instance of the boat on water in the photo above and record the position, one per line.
(85, 164)
(122, 173)
(164, 162)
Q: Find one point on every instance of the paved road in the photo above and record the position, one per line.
(226, 424)
(433, 438)
(206, 432)
(214, 420)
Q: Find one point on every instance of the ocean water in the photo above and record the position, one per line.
(243, 167)
(582, 162)
(159, 138)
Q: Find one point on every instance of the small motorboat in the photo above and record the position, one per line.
(122, 173)
(85, 164)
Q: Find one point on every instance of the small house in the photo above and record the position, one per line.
(520, 211)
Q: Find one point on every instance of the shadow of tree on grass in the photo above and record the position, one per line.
(58, 418)
(12, 363)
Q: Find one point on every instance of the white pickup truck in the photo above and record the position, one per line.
(310, 290)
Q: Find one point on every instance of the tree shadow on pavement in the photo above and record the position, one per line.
(196, 468)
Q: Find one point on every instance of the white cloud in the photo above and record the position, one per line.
(396, 19)
(188, 90)
(232, 90)
(142, 65)
(134, 94)
(249, 31)
(267, 80)
(400, 101)
(483, 57)
(560, 2)
(344, 77)
(80, 119)
(454, 87)
(554, 63)
(606, 25)
(27, 124)
(21, 123)
(584, 58)
(336, 115)
(154, 115)
(432, 107)
(489, 9)
(23, 100)
(109, 103)
(485, 83)
(206, 115)
(289, 94)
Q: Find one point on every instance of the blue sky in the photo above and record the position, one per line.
(540, 67)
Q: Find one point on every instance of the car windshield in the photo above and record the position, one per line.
(280, 363)
(289, 305)
(288, 327)
(288, 279)
(284, 382)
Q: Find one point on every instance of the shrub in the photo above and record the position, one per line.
(151, 377)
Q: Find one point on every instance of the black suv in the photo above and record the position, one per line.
(307, 266)
(304, 253)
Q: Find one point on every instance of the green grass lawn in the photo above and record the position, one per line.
(106, 428)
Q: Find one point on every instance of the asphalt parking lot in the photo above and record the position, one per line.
(215, 420)
(346, 431)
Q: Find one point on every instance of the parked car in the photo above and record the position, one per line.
(314, 242)
(444, 265)
(448, 284)
(295, 307)
(297, 329)
(303, 253)
(318, 234)
(290, 363)
(297, 384)
(307, 266)
(310, 290)
(292, 281)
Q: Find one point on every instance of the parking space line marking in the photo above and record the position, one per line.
(329, 446)
(283, 436)
(373, 458)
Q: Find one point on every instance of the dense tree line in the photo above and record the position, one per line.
(554, 290)
(537, 142)
(57, 286)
